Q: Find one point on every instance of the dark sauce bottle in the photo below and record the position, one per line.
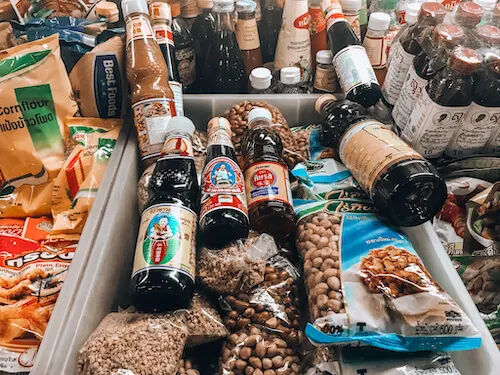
(401, 183)
(269, 28)
(203, 33)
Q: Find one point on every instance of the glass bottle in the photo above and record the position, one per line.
(351, 9)
(317, 29)
(189, 12)
(485, 36)
(325, 79)
(247, 35)
(203, 31)
(488, 7)
(411, 15)
(375, 43)
(290, 79)
(260, 81)
(269, 28)
(225, 70)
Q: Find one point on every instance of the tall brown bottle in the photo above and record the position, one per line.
(247, 35)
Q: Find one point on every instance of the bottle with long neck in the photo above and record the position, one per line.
(317, 30)
(203, 31)
(269, 28)
(189, 12)
(147, 73)
(247, 35)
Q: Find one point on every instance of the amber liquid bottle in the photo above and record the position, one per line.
(247, 35)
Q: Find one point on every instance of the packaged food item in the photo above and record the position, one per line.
(32, 228)
(186, 367)
(290, 80)
(352, 11)
(185, 54)
(308, 139)
(269, 28)
(36, 97)
(189, 11)
(260, 81)
(366, 284)
(121, 341)
(203, 31)
(324, 361)
(376, 42)
(317, 30)
(325, 79)
(247, 35)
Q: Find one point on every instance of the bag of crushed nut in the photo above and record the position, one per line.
(366, 284)
(308, 139)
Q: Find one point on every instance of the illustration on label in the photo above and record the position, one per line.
(411, 91)
(186, 65)
(161, 241)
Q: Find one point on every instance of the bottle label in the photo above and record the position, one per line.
(353, 68)
(219, 137)
(138, 27)
(476, 129)
(317, 23)
(222, 187)
(177, 146)
(166, 240)
(163, 34)
(396, 73)
(493, 145)
(369, 148)
(411, 90)
(353, 20)
(376, 49)
(151, 117)
(186, 65)
(325, 79)
(179, 103)
(247, 34)
(267, 181)
(431, 126)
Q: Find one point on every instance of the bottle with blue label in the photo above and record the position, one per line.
(224, 213)
(164, 263)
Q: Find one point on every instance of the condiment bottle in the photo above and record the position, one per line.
(493, 145)
(401, 183)
(185, 55)
(161, 19)
(247, 35)
(290, 79)
(410, 16)
(441, 108)
(435, 50)
(483, 115)
(485, 36)
(403, 53)
(270, 25)
(375, 43)
(164, 264)
(325, 79)
(468, 15)
(488, 7)
(388, 7)
(260, 81)
(189, 12)
(266, 178)
(203, 31)
(351, 10)
(110, 11)
(224, 212)
(317, 29)
(352, 65)
(225, 69)
(147, 73)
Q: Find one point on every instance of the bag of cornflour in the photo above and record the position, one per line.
(36, 98)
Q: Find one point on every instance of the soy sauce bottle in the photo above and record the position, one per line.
(224, 212)
(402, 184)
(185, 54)
(203, 31)
(164, 263)
(266, 178)
(269, 28)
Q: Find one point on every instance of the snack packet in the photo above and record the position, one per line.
(308, 139)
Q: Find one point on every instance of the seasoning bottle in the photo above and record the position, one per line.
(403, 53)
(352, 65)
(468, 15)
(203, 31)
(488, 7)
(294, 40)
(375, 43)
(493, 145)
(351, 10)
(325, 79)
(485, 36)
(161, 19)
(164, 262)
(401, 183)
(247, 35)
(225, 70)
(435, 51)
(290, 79)
(441, 108)
(185, 55)
(317, 29)
(266, 178)
(147, 73)
(269, 28)
(260, 81)
(483, 115)
(189, 12)
(110, 11)
(224, 212)
(410, 16)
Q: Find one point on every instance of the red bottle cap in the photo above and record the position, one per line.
(431, 13)
(465, 60)
(447, 35)
(488, 34)
(469, 14)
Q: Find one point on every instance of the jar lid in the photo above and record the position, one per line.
(488, 34)
(160, 11)
(322, 100)
(260, 78)
(181, 123)
(412, 13)
(259, 113)
(469, 14)
(431, 13)
(486, 4)
(351, 5)
(245, 6)
(465, 60)
(448, 34)
(109, 10)
(205, 4)
(379, 21)
(134, 6)
(324, 57)
(220, 123)
(223, 6)
(290, 75)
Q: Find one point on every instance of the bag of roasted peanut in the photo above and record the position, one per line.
(366, 284)
(36, 97)
(308, 140)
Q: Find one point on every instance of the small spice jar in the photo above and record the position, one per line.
(325, 79)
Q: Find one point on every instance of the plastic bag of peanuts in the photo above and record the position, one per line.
(366, 284)
(324, 361)
(308, 140)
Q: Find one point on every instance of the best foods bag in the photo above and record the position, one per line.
(36, 97)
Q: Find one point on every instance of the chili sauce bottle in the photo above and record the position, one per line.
(247, 35)
(441, 108)
(435, 50)
(402, 184)
(267, 185)
(403, 53)
(352, 65)
(203, 31)
(224, 213)
(164, 263)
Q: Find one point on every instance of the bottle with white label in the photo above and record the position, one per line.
(375, 43)
(483, 116)
(411, 15)
(493, 145)
(247, 35)
(442, 107)
(351, 9)
(325, 79)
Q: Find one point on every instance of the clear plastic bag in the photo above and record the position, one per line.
(324, 361)
(308, 140)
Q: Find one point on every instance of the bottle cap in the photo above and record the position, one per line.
(486, 4)
(259, 113)
(160, 11)
(220, 123)
(322, 100)
(379, 21)
(246, 6)
(431, 13)
(181, 123)
(224, 6)
(109, 10)
(260, 78)
(134, 6)
(469, 14)
(488, 34)
(324, 57)
(290, 75)
(448, 35)
(351, 5)
(205, 4)
(465, 61)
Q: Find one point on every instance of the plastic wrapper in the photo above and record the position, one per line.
(204, 322)
(308, 140)
(237, 267)
(186, 367)
(122, 340)
(324, 361)
(366, 284)
(479, 167)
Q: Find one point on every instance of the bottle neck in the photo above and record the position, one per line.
(246, 15)
(224, 21)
